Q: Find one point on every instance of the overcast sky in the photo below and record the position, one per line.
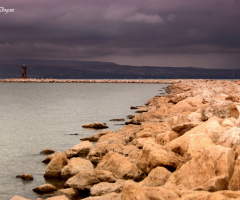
(198, 33)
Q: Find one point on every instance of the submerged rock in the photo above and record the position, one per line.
(27, 177)
(46, 151)
(46, 188)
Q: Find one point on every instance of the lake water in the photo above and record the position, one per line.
(35, 116)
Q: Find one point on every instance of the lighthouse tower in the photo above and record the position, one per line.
(24, 71)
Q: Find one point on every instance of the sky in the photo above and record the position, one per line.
(175, 33)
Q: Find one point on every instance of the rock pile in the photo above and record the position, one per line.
(186, 145)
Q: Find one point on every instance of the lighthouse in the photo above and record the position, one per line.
(24, 71)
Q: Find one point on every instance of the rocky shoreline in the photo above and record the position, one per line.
(183, 146)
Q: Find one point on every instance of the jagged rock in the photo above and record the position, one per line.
(120, 166)
(183, 128)
(56, 165)
(27, 177)
(62, 197)
(85, 180)
(166, 137)
(210, 169)
(96, 136)
(96, 125)
(106, 188)
(77, 150)
(46, 188)
(132, 191)
(154, 155)
(16, 197)
(139, 142)
(157, 177)
(74, 166)
(46, 151)
(160, 193)
(111, 196)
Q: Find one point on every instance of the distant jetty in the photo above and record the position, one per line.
(33, 80)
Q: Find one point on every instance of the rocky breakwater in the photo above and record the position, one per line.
(185, 146)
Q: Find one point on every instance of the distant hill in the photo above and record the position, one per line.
(62, 69)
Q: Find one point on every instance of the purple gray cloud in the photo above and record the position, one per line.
(198, 33)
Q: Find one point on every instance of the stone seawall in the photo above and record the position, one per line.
(185, 145)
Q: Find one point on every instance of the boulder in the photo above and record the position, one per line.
(27, 177)
(160, 193)
(106, 188)
(132, 191)
(96, 136)
(120, 166)
(210, 170)
(234, 183)
(154, 155)
(69, 192)
(46, 188)
(85, 180)
(110, 196)
(117, 120)
(62, 197)
(16, 197)
(183, 128)
(56, 165)
(96, 125)
(74, 166)
(157, 177)
(166, 137)
(48, 158)
(46, 151)
(77, 150)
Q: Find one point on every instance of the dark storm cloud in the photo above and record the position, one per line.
(122, 30)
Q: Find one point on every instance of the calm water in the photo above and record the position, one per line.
(35, 116)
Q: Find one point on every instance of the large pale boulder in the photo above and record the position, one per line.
(106, 188)
(110, 196)
(120, 166)
(79, 149)
(154, 155)
(132, 191)
(16, 197)
(62, 197)
(56, 165)
(85, 180)
(157, 177)
(74, 166)
(209, 170)
(46, 188)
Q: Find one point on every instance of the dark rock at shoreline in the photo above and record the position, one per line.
(46, 151)
(46, 188)
(96, 125)
(130, 116)
(117, 120)
(134, 107)
(26, 177)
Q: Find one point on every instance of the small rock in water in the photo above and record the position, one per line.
(96, 125)
(130, 116)
(73, 134)
(134, 107)
(117, 120)
(27, 177)
(46, 151)
(46, 188)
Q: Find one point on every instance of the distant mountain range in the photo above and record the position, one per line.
(63, 69)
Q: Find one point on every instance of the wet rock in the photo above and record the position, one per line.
(79, 149)
(46, 151)
(106, 188)
(56, 165)
(157, 177)
(96, 136)
(74, 166)
(27, 177)
(120, 166)
(96, 125)
(46, 188)
(85, 180)
(154, 155)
